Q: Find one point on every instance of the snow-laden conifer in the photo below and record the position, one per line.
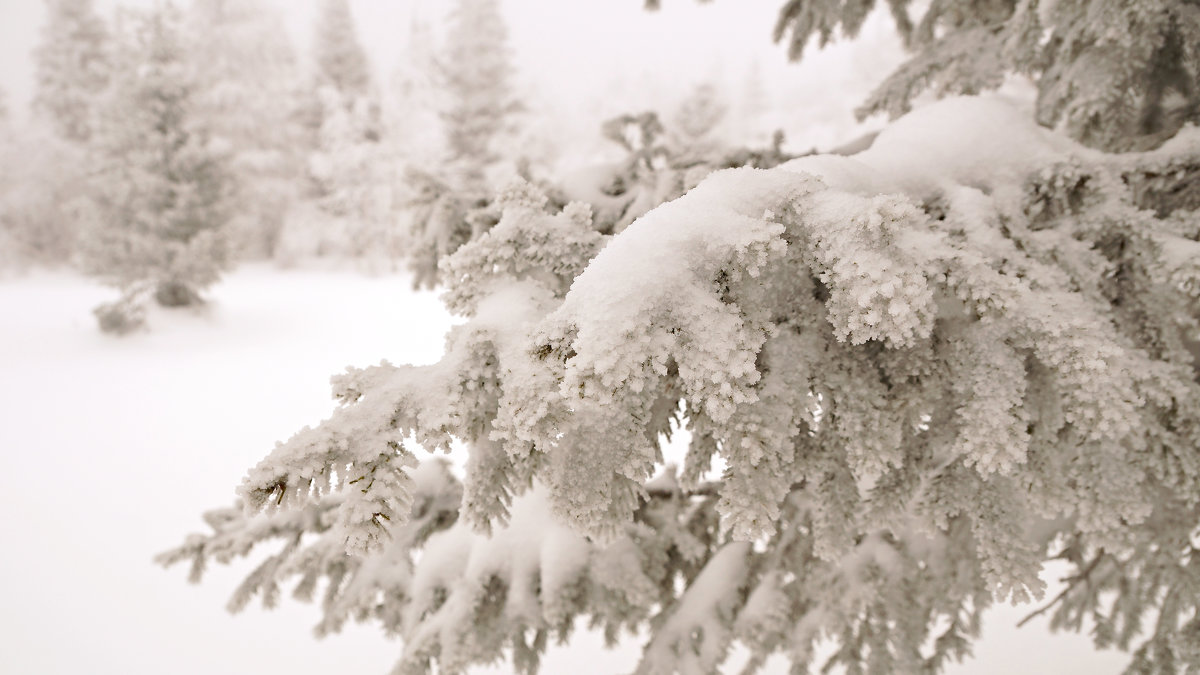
(350, 211)
(159, 193)
(927, 369)
(654, 169)
(247, 96)
(477, 75)
(412, 105)
(72, 64)
(341, 61)
(43, 187)
(697, 119)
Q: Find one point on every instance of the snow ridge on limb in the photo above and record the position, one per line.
(653, 289)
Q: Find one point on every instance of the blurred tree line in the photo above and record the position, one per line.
(166, 144)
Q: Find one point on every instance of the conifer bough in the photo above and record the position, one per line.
(927, 368)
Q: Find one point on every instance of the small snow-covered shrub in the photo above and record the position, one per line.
(121, 317)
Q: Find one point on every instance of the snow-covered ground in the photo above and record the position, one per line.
(112, 447)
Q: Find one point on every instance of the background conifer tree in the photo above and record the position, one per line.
(72, 67)
(411, 107)
(339, 64)
(753, 102)
(477, 74)
(160, 195)
(246, 94)
(449, 204)
(343, 73)
(341, 61)
(43, 187)
(695, 124)
(352, 210)
(350, 172)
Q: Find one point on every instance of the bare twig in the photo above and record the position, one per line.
(706, 489)
(1073, 582)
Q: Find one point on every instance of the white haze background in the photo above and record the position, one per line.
(113, 447)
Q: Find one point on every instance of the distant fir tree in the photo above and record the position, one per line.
(43, 187)
(477, 74)
(412, 103)
(351, 210)
(341, 62)
(160, 194)
(246, 94)
(72, 67)
(450, 204)
(696, 120)
(1115, 75)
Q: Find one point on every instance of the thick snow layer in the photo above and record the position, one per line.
(979, 141)
(974, 140)
(113, 447)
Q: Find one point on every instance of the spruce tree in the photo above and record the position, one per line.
(342, 75)
(753, 102)
(697, 119)
(477, 74)
(246, 94)
(451, 203)
(72, 67)
(350, 212)
(411, 106)
(43, 183)
(341, 62)
(161, 194)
